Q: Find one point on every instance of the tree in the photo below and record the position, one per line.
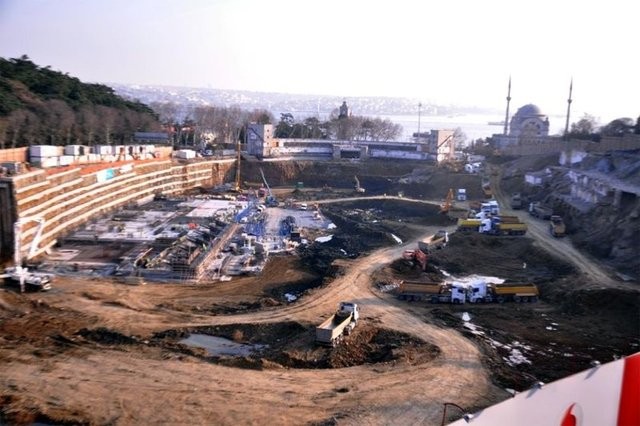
(618, 127)
(284, 128)
(459, 138)
(585, 127)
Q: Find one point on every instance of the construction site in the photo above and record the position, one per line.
(176, 288)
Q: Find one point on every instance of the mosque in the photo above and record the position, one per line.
(528, 123)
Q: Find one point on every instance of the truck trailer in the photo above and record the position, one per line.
(481, 292)
(332, 331)
(417, 291)
(540, 211)
(507, 226)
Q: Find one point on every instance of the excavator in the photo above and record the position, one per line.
(448, 202)
(19, 274)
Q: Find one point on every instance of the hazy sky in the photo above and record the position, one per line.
(448, 51)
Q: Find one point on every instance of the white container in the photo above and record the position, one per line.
(76, 150)
(186, 154)
(45, 162)
(66, 160)
(103, 149)
(43, 151)
(82, 159)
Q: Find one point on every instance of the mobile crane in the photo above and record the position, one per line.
(270, 200)
(19, 274)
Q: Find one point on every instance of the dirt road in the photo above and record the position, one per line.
(559, 247)
(142, 383)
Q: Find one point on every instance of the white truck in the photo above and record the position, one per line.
(454, 293)
(481, 292)
(332, 331)
(28, 281)
(18, 274)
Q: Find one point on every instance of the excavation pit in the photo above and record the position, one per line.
(292, 345)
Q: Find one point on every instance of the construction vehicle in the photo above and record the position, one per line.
(516, 201)
(540, 211)
(417, 291)
(437, 241)
(487, 209)
(496, 225)
(418, 257)
(451, 293)
(448, 202)
(332, 331)
(486, 187)
(468, 225)
(481, 292)
(270, 200)
(557, 226)
(357, 186)
(20, 275)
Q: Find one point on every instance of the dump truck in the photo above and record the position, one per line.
(496, 226)
(332, 331)
(468, 225)
(418, 256)
(481, 292)
(453, 293)
(417, 291)
(540, 211)
(437, 241)
(557, 227)
(516, 201)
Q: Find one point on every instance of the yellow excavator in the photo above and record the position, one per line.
(448, 202)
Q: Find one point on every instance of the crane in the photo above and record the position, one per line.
(270, 200)
(19, 274)
(236, 186)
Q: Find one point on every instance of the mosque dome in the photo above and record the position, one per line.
(529, 110)
(529, 121)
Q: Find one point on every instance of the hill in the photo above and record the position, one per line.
(42, 106)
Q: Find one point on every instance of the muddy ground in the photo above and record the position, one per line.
(572, 324)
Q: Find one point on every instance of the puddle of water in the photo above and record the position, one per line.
(218, 346)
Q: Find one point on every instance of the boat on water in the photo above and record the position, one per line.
(496, 123)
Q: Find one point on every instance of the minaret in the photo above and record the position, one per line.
(506, 117)
(566, 126)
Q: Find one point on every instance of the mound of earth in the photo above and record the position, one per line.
(510, 258)
(292, 345)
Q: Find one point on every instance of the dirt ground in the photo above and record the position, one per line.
(94, 351)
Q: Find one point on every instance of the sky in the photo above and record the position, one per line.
(446, 51)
